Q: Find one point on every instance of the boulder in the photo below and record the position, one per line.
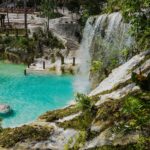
(121, 76)
(4, 109)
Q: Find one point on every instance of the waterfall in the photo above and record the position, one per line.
(82, 83)
(88, 35)
(104, 36)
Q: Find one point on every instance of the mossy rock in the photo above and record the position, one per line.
(10, 136)
(60, 113)
(82, 122)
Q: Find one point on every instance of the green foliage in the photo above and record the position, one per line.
(137, 113)
(143, 143)
(73, 5)
(81, 122)
(135, 12)
(85, 15)
(6, 40)
(53, 42)
(132, 106)
(16, 47)
(48, 7)
(20, 42)
(58, 114)
(125, 53)
(127, 115)
(84, 102)
(96, 66)
(9, 137)
(107, 109)
(131, 146)
(93, 6)
(114, 62)
(80, 140)
(89, 8)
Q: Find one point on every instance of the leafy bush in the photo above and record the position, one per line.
(84, 102)
(80, 140)
(132, 105)
(96, 66)
(135, 114)
(132, 12)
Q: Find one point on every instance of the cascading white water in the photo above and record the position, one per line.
(88, 34)
(106, 34)
(82, 83)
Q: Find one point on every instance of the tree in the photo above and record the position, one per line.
(48, 9)
(84, 102)
(135, 12)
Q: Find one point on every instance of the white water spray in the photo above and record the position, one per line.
(112, 36)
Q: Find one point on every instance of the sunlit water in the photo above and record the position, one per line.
(32, 95)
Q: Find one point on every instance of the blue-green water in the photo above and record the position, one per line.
(32, 95)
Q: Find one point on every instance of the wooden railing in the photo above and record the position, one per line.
(17, 10)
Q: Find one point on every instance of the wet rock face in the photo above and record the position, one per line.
(110, 44)
(68, 30)
(4, 109)
(120, 78)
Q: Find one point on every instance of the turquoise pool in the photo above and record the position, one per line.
(30, 96)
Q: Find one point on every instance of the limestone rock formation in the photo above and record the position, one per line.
(4, 109)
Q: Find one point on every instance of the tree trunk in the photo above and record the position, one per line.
(48, 23)
(7, 12)
(15, 4)
(35, 5)
(25, 18)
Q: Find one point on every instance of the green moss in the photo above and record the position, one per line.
(9, 137)
(110, 147)
(80, 140)
(58, 114)
(127, 115)
(109, 110)
(142, 144)
(84, 102)
(81, 122)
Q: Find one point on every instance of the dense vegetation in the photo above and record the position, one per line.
(136, 12)
(10, 137)
(23, 49)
